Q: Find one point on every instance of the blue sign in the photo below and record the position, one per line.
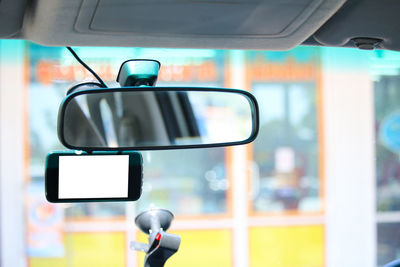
(390, 132)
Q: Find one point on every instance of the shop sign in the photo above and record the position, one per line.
(49, 71)
(283, 66)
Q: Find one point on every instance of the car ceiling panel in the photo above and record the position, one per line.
(378, 19)
(11, 16)
(242, 24)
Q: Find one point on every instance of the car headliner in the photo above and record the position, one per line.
(226, 24)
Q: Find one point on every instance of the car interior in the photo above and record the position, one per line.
(267, 132)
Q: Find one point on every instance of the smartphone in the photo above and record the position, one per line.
(82, 177)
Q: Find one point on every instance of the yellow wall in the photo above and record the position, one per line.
(287, 246)
(283, 246)
(88, 249)
(199, 248)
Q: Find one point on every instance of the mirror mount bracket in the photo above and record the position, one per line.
(138, 72)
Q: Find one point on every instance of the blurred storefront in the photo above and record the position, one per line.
(281, 167)
(264, 204)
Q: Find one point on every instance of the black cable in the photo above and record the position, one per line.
(87, 67)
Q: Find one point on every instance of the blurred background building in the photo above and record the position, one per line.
(319, 186)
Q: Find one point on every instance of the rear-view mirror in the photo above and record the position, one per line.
(157, 118)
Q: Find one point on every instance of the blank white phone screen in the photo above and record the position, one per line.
(97, 176)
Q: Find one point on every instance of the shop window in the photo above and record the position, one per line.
(286, 154)
(385, 72)
(187, 187)
(387, 119)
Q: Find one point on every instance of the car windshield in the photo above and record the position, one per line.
(320, 186)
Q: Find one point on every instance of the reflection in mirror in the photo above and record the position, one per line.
(156, 118)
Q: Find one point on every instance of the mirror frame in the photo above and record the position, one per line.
(68, 98)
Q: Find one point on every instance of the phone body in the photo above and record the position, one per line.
(75, 176)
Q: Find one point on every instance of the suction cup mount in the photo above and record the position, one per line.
(162, 245)
(154, 220)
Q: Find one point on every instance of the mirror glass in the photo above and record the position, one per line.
(156, 118)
